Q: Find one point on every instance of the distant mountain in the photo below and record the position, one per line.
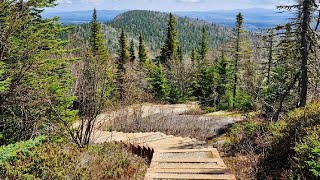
(254, 18)
(153, 25)
(80, 17)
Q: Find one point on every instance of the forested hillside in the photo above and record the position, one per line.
(153, 27)
(61, 87)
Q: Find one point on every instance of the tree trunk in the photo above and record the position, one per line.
(236, 69)
(304, 52)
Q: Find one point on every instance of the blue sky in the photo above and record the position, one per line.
(167, 5)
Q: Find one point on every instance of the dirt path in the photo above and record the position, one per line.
(173, 157)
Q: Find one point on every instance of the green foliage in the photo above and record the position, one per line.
(158, 81)
(222, 75)
(123, 58)
(10, 153)
(97, 42)
(132, 52)
(287, 148)
(207, 86)
(308, 152)
(143, 54)
(244, 101)
(153, 25)
(34, 71)
(60, 160)
(204, 46)
(252, 136)
(169, 52)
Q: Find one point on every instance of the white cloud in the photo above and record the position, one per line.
(190, 1)
(64, 2)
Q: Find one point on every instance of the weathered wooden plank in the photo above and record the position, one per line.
(189, 170)
(190, 176)
(187, 160)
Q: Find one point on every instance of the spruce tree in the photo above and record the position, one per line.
(96, 41)
(123, 58)
(222, 72)
(238, 31)
(271, 42)
(34, 71)
(132, 52)
(170, 49)
(308, 8)
(204, 46)
(143, 54)
(194, 57)
(159, 83)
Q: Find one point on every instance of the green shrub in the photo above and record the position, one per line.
(244, 101)
(10, 153)
(308, 152)
(60, 160)
(296, 150)
(252, 136)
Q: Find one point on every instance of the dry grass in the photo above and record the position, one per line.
(244, 167)
(178, 123)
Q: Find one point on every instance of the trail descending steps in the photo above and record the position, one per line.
(172, 157)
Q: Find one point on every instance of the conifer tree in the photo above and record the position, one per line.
(238, 31)
(96, 42)
(222, 72)
(143, 55)
(159, 83)
(132, 52)
(194, 57)
(34, 70)
(204, 46)
(123, 58)
(170, 49)
(271, 42)
(307, 10)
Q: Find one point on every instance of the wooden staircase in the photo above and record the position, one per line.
(172, 158)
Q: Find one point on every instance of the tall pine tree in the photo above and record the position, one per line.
(97, 42)
(132, 52)
(123, 58)
(170, 49)
(204, 46)
(238, 31)
(143, 54)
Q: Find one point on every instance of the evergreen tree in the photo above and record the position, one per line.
(34, 71)
(194, 57)
(143, 54)
(170, 49)
(308, 7)
(159, 85)
(271, 42)
(132, 52)
(207, 94)
(238, 31)
(222, 86)
(204, 46)
(97, 42)
(123, 58)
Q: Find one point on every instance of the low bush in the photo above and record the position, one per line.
(296, 151)
(287, 149)
(60, 160)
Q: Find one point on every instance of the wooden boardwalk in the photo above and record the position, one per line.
(172, 157)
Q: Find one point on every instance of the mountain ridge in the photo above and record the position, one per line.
(255, 18)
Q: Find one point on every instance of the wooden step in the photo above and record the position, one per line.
(176, 176)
